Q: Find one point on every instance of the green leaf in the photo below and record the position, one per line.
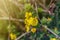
(28, 7)
(44, 20)
(40, 9)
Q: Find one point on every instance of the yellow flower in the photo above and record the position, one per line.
(53, 39)
(31, 21)
(49, 19)
(28, 14)
(34, 21)
(27, 28)
(33, 30)
(12, 36)
(28, 21)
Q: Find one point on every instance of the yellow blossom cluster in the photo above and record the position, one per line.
(53, 39)
(30, 21)
(12, 36)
